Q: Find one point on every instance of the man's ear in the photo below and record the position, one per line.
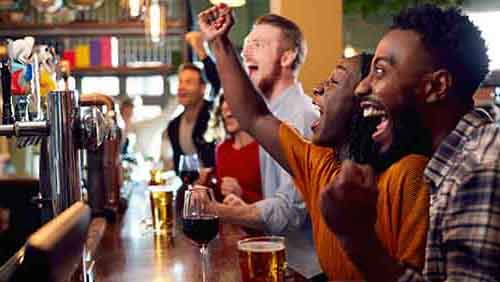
(288, 57)
(204, 87)
(438, 86)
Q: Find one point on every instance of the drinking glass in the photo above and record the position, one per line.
(161, 200)
(262, 259)
(189, 168)
(198, 223)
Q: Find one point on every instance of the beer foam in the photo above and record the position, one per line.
(159, 188)
(261, 247)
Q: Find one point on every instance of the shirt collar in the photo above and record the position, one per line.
(445, 156)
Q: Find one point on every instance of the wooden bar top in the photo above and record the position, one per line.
(127, 253)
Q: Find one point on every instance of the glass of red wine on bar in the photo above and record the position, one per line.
(200, 224)
(189, 172)
(189, 169)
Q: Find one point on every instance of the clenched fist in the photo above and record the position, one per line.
(348, 205)
(215, 21)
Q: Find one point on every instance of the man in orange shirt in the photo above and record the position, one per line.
(378, 138)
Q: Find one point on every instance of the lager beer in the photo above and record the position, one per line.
(155, 177)
(262, 259)
(161, 208)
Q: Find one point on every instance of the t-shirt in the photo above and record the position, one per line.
(242, 164)
(402, 208)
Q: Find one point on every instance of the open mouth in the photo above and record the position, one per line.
(251, 68)
(376, 114)
(315, 125)
(318, 108)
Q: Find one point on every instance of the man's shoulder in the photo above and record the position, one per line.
(174, 122)
(482, 148)
(298, 111)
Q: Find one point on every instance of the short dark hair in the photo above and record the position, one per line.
(193, 67)
(453, 42)
(292, 34)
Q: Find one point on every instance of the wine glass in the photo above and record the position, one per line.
(200, 224)
(189, 168)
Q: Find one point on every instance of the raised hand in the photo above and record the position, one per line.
(215, 21)
(195, 40)
(348, 205)
(230, 185)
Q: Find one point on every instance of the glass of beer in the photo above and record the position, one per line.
(262, 259)
(162, 211)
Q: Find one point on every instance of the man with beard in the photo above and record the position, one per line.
(432, 59)
(273, 53)
(402, 204)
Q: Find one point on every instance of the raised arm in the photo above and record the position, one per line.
(244, 99)
(195, 40)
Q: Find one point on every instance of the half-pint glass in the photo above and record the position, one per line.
(262, 259)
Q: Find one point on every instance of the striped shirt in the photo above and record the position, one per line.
(464, 230)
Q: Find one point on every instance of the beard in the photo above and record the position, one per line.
(267, 82)
(409, 138)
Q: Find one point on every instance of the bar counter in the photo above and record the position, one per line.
(128, 253)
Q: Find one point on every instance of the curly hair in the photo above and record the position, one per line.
(453, 42)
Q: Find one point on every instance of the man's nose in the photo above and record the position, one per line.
(246, 52)
(363, 88)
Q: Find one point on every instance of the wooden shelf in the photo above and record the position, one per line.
(176, 27)
(122, 70)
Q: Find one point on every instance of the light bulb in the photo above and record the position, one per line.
(155, 22)
(230, 3)
(134, 8)
(349, 51)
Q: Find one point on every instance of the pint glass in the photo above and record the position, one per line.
(262, 259)
(161, 199)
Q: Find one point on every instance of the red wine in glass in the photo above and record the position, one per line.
(201, 229)
(199, 224)
(189, 176)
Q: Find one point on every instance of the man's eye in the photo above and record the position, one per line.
(332, 81)
(319, 91)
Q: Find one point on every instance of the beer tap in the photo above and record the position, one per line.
(6, 93)
(64, 131)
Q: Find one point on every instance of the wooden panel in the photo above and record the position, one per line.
(321, 24)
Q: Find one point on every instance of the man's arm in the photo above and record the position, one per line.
(239, 213)
(245, 101)
(471, 225)
(195, 40)
(285, 210)
(278, 214)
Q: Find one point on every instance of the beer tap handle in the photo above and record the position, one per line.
(6, 92)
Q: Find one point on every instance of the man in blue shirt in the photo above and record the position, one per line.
(272, 55)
